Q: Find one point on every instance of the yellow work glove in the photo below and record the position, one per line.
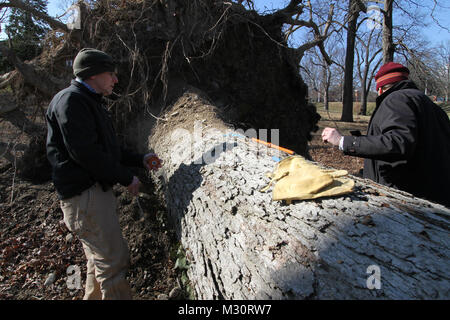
(298, 179)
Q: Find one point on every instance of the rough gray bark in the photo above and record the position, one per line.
(242, 245)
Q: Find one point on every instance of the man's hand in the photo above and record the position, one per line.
(152, 162)
(133, 188)
(331, 135)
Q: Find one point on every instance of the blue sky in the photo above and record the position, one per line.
(433, 33)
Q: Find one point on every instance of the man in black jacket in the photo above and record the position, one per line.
(407, 145)
(87, 161)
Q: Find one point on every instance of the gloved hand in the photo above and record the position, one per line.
(152, 162)
(133, 188)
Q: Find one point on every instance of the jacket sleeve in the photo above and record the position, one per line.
(80, 138)
(131, 159)
(394, 136)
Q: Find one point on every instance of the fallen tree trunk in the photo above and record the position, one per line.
(376, 242)
(33, 75)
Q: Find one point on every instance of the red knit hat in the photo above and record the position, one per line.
(391, 72)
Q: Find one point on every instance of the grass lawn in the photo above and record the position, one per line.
(331, 118)
(337, 107)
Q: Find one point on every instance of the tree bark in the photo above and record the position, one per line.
(347, 100)
(326, 76)
(242, 245)
(363, 108)
(388, 43)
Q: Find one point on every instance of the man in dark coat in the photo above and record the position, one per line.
(407, 145)
(87, 161)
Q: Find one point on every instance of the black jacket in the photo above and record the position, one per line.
(82, 146)
(407, 145)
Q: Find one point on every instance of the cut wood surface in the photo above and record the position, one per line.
(376, 242)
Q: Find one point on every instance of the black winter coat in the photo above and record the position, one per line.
(82, 146)
(407, 145)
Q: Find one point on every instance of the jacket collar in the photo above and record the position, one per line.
(84, 89)
(85, 84)
(405, 84)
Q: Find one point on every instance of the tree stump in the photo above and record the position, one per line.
(376, 242)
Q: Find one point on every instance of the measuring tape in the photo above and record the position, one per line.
(154, 162)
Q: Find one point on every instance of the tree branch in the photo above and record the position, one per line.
(41, 80)
(294, 6)
(319, 37)
(53, 23)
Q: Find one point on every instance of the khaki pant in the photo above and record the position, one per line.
(92, 216)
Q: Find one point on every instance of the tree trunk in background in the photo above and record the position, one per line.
(388, 43)
(375, 243)
(326, 86)
(364, 93)
(347, 100)
(447, 91)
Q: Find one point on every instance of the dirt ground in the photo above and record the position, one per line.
(330, 156)
(35, 243)
(36, 249)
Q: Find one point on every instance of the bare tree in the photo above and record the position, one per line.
(354, 9)
(317, 74)
(316, 71)
(310, 72)
(388, 43)
(319, 27)
(392, 36)
(368, 60)
(443, 68)
(429, 67)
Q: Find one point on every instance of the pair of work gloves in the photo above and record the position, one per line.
(298, 179)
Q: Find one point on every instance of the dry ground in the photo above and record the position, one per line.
(35, 243)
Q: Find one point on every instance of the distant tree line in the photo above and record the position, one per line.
(367, 34)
